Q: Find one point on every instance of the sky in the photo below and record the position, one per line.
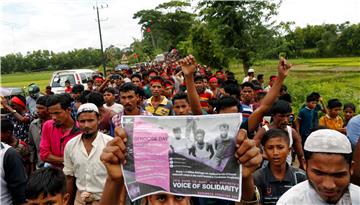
(63, 25)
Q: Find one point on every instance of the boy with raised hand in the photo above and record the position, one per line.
(47, 186)
(280, 113)
(278, 176)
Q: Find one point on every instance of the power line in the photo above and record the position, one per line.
(101, 43)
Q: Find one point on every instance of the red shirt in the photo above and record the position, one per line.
(68, 89)
(53, 141)
(204, 98)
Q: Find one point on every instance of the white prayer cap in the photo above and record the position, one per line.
(328, 141)
(87, 107)
(251, 70)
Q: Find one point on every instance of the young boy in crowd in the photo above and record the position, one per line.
(109, 98)
(332, 120)
(204, 95)
(278, 176)
(349, 112)
(304, 122)
(47, 186)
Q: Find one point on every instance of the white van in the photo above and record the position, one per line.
(75, 76)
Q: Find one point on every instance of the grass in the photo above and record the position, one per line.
(331, 77)
(24, 79)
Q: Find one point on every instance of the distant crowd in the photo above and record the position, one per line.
(67, 148)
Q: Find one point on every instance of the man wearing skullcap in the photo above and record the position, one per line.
(329, 165)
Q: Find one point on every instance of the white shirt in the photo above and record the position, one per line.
(89, 171)
(303, 193)
(116, 107)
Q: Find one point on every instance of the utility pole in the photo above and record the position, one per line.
(101, 43)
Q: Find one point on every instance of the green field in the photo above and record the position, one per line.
(331, 77)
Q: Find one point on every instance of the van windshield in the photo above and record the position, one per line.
(59, 80)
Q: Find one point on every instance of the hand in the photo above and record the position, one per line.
(114, 154)
(247, 153)
(188, 65)
(283, 68)
(4, 103)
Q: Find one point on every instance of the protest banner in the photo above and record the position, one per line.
(183, 155)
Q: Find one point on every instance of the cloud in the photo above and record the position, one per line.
(62, 25)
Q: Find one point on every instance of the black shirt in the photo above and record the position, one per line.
(272, 189)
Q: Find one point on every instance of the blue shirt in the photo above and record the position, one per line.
(306, 117)
(353, 130)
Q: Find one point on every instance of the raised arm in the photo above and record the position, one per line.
(256, 117)
(188, 66)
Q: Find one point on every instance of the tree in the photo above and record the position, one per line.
(244, 27)
(166, 25)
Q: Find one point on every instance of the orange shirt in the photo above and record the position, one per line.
(331, 123)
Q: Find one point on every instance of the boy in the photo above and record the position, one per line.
(276, 178)
(332, 120)
(204, 95)
(304, 122)
(47, 186)
(280, 113)
(68, 88)
(109, 98)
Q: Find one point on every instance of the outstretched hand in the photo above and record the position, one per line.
(283, 67)
(247, 153)
(114, 154)
(188, 65)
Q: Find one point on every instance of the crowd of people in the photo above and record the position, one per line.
(68, 148)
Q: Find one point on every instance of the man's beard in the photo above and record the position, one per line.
(88, 135)
(327, 200)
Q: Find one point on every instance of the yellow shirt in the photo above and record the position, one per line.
(331, 123)
(164, 108)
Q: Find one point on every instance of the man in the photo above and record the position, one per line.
(20, 146)
(189, 103)
(48, 90)
(129, 98)
(158, 104)
(214, 87)
(57, 131)
(271, 83)
(12, 177)
(34, 94)
(75, 94)
(82, 165)
(105, 124)
(35, 132)
(250, 75)
(47, 186)
(204, 95)
(136, 79)
(19, 116)
(329, 166)
(109, 98)
(247, 99)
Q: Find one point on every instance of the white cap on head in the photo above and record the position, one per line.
(87, 107)
(251, 70)
(328, 141)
